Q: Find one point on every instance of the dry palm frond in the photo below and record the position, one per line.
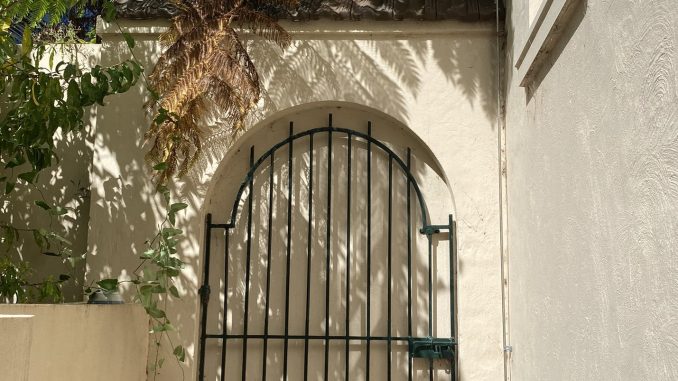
(205, 65)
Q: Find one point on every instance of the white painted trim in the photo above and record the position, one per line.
(544, 31)
(326, 28)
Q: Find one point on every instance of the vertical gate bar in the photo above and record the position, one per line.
(328, 243)
(409, 263)
(388, 286)
(430, 300)
(450, 238)
(224, 318)
(247, 273)
(369, 246)
(308, 254)
(348, 259)
(204, 296)
(289, 251)
(268, 265)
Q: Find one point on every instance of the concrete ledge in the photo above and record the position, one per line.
(45, 342)
(324, 28)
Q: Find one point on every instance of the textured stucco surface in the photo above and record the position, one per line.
(73, 342)
(593, 197)
(436, 79)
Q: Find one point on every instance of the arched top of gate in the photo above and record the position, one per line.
(247, 139)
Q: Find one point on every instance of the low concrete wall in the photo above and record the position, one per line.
(73, 342)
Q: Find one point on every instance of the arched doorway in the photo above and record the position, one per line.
(325, 261)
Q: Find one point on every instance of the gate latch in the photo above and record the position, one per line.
(431, 348)
(433, 229)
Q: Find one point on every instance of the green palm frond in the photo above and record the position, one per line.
(32, 12)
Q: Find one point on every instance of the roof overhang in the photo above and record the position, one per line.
(464, 10)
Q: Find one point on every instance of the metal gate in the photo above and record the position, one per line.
(420, 349)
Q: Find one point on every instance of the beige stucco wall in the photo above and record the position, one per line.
(72, 342)
(437, 79)
(593, 197)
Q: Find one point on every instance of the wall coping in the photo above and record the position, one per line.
(335, 29)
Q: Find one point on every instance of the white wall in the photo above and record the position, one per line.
(593, 197)
(435, 78)
(71, 342)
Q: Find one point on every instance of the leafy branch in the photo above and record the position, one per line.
(155, 279)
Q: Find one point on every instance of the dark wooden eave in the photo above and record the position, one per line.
(464, 10)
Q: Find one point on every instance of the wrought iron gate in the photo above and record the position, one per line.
(428, 348)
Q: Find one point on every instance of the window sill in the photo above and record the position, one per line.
(544, 32)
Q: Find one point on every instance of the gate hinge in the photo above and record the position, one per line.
(433, 229)
(204, 292)
(431, 348)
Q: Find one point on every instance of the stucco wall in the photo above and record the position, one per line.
(73, 342)
(437, 79)
(593, 197)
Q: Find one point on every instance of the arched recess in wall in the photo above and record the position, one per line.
(269, 252)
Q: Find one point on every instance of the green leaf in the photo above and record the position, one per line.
(10, 235)
(73, 94)
(57, 237)
(180, 353)
(163, 327)
(42, 204)
(145, 291)
(173, 290)
(108, 284)
(136, 68)
(155, 312)
(58, 211)
(160, 166)
(129, 40)
(9, 187)
(164, 191)
(69, 72)
(177, 207)
(171, 232)
(108, 11)
(28, 177)
(148, 254)
(18, 159)
(26, 42)
(39, 238)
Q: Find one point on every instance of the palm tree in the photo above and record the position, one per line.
(205, 68)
